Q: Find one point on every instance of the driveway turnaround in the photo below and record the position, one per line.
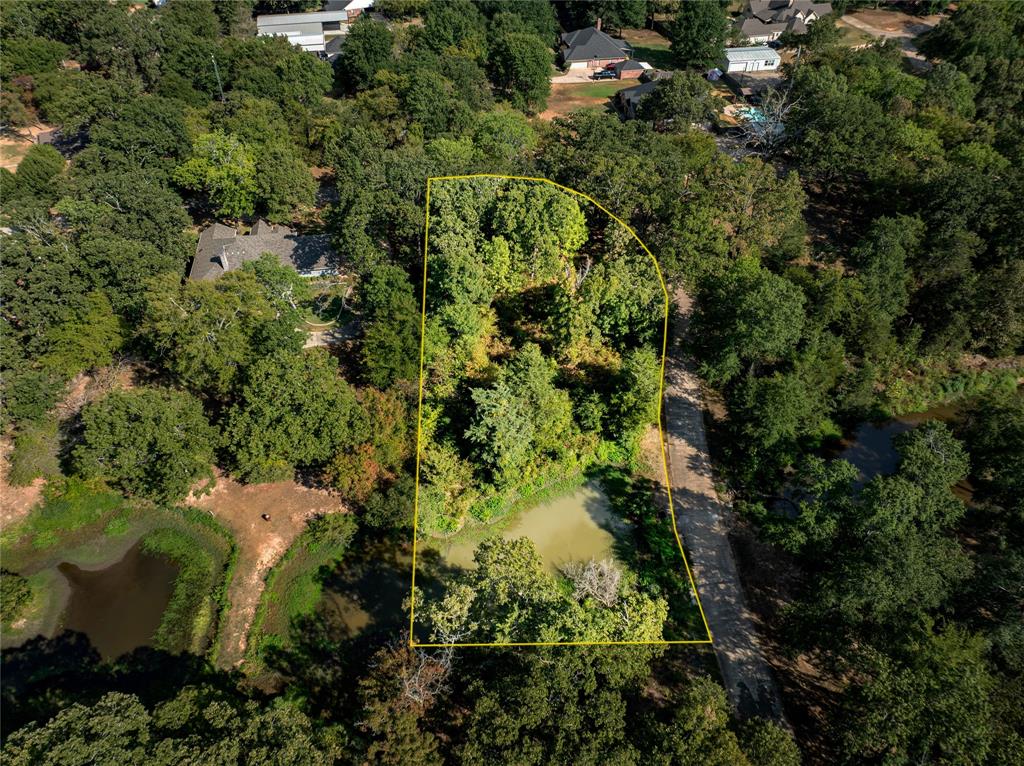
(702, 521)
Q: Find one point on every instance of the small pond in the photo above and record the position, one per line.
(576, 526)
(367, 590)
(119, 607)
(871, 450)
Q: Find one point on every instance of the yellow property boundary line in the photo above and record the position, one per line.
(661, 434)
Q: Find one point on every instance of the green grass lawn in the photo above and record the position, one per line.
(659, 58)
(605, 89)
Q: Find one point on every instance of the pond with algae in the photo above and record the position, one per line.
(576, 526)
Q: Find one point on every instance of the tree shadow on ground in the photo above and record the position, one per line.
(45, 675)
(653, 552)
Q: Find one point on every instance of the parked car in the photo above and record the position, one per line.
(604, 74)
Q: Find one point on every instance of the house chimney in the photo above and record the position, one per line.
(223, 257)
(597, 25)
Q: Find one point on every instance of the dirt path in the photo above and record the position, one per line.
(703, 521)
(260, 544)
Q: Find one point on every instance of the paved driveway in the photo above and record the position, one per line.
(703, 522)
(573, 75)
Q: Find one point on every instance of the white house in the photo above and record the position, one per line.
(313, 31)
(759, 58)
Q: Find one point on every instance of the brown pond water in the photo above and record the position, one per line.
(576, 526)
(119, 607)
(367, 592)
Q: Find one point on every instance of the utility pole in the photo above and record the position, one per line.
(216, 71)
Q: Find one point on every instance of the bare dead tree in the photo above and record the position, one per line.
(767, 132)
(425, 675)
(598, 580)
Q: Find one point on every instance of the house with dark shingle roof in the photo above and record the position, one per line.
(628, 99)
(590, 48)
(765, 20)
(221, 249)
(631, 69)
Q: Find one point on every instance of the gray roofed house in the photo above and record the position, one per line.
(631, 68)
(587, 47)
(765, 20)
(629, 98)
(222, 249)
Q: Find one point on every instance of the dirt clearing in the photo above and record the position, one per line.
(239, 507)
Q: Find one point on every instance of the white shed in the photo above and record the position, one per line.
(759, 58)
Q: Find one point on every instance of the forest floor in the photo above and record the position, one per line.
(239, 507)
(771, 579)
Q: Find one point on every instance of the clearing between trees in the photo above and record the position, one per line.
(261, 543)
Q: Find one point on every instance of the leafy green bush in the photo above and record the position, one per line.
(15, 595)
(35, 452)
(150, 442)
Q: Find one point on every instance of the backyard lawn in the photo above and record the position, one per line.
(649, 46)
(572, 97)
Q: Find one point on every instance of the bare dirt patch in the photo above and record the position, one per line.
(893, 23)
(15, 145)
(15, 502)
(261, 543)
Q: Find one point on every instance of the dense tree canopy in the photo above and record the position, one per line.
(698, 34)
(148, 442)
(293, 410)
(868, 263)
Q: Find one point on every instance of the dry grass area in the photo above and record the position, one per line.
(853, 37)
(647, 38)
(12, 152)
(573, 97)
(650, 46)
(239, 507)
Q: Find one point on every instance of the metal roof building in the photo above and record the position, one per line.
(754, 59)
